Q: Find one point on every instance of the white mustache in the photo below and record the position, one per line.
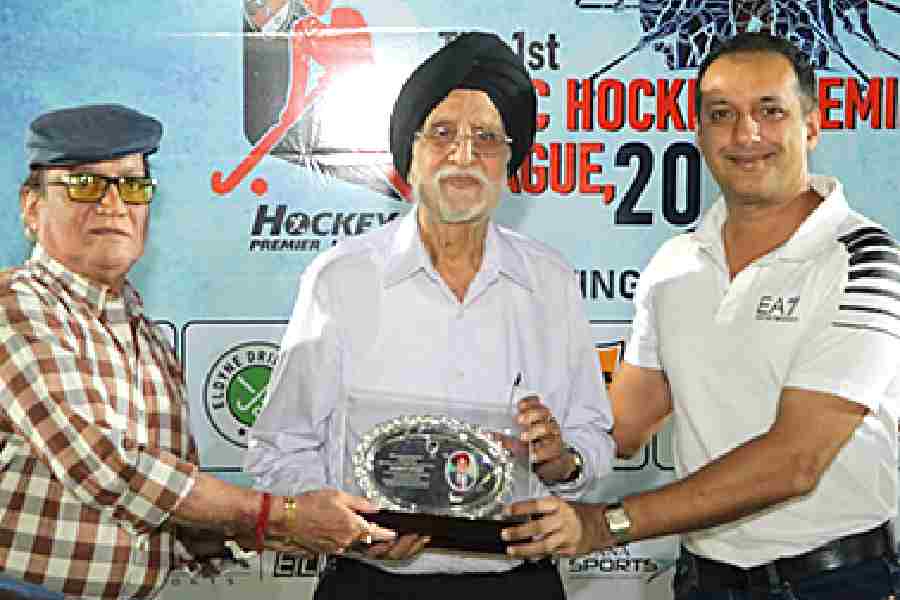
(452, 171)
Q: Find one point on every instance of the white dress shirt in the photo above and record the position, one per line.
(374, 319)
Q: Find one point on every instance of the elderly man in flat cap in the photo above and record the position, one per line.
(442, 303)
(100, 494)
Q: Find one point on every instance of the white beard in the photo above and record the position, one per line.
(445, 213)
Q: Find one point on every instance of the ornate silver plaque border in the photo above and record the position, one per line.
(481, 438)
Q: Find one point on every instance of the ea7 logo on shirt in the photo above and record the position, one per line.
(777, 308)
(235, 389)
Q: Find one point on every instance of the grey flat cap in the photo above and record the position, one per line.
(90, 133)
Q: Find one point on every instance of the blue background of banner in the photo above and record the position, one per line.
(182, 61)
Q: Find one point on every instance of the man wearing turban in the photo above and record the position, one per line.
(440, 304)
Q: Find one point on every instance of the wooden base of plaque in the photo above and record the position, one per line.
(451, 533)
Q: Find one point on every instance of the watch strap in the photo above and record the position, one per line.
(579, 465)
(618, 522)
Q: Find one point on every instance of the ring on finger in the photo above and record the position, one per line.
(367, 534)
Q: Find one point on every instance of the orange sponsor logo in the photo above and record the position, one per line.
(610, 355)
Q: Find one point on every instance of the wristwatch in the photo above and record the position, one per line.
(579, 465)
(618, 522)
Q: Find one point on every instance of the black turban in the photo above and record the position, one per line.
(473, 61)
(90, 133)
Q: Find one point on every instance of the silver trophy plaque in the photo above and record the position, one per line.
(435, 465)
(438, 467)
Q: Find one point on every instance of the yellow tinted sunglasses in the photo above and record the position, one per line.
(91, 187)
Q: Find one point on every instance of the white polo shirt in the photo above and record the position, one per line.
(821, 312)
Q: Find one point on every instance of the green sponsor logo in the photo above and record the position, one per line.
(246, 393)
(235, 388)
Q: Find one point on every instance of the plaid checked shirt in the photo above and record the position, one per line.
(95, 451)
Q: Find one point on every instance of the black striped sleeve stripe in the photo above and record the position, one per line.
(874, 241)
(869, 309)
(862, 232)
(882, 274)
(865, 289)
(874, 248)
(867, 237)
(874, 256)
(893, 334)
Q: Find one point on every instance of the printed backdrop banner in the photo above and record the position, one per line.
(276, 147)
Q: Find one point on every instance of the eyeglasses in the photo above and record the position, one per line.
(91, 187)
(485, 142)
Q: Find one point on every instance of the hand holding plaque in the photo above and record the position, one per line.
(439, 475)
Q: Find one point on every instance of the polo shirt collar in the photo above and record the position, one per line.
(407, 255)
(820, 226)
(98, 297)
(709, 233)
(806, 242)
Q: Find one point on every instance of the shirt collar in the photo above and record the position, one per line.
(709, 233)
(807, 241)
(407, 255)
(98, 297)
(822, 224)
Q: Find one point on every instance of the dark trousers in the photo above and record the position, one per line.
(871, 580)
(346, 578)
(854, 571)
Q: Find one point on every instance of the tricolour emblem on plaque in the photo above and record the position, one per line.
(434, 464)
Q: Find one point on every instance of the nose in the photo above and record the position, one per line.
(463, 151)
(746, 129)
(111, 203)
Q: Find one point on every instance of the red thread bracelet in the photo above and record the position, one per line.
(262, 520)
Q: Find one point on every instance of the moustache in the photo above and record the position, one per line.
(452, 171)
(749, 152)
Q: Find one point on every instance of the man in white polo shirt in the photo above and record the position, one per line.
(772, 337)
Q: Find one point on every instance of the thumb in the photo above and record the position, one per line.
(381, 534)
(520, 508)
(359, 504)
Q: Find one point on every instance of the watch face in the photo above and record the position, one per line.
(576, 455)
(617, 520)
